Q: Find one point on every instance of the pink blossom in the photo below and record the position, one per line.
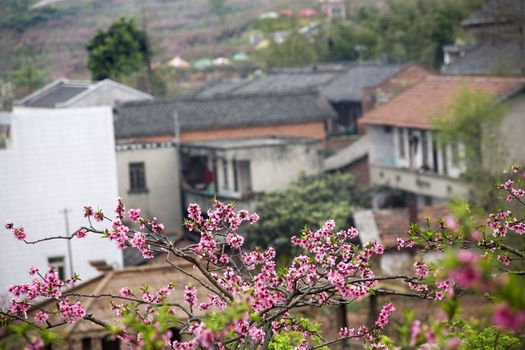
(125, 292)
(384, 315)
(421, 269)
(72, 312)
(33, 270)
(190, 295)
(8, 225)
(35, 344)
(451, 223)
(120, 210)
(234, 240)
(20, 233)
(99, 215)
(257, 334)
(41, 317)
(87, 211)
(134, 215)
(453, 344)
(254, 218)
(476, 235)
(82, 233)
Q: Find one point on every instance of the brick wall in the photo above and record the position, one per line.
(314, 130)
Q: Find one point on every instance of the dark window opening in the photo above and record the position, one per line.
(86, 344)
(58, 263)
(424, 150)
(195, 172)
(235, 176)
(225, 173)
(110, 343)
(401, 140)
(175, 334)
(137, 177)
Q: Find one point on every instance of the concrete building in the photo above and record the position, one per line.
(64, 93)
(495, 42)
(52, 161)
(147, 154)
(242, 170)
(403, 153)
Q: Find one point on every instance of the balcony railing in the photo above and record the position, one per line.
(419, 182)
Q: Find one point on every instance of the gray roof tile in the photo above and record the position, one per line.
(487, 59)
(61, 92)
(337, 83)
(154, 118)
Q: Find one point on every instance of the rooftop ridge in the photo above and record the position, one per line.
(220, 97)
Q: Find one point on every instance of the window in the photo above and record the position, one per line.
(225, 173)
(5, 137)
(110, 343)
(401, 141)
(235, 176)
(137, 177)
(86, 343)
(455, 154)
(58, 263)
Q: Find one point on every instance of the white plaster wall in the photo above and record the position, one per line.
(59, 159)
(274, 168)
(162, 180)
(513, 130)
(381, 146)
(395, 263)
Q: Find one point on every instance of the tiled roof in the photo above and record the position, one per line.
(486, 59)
(58, 92)
(495, 11)
(419, 105)
(62, 92)
(156, 276)
(349, 85)
(155, 118)
(336, 83)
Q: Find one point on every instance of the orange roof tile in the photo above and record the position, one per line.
(417, 106)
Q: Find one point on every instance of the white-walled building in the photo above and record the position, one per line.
(404, 154)
(241, 170)
(55, 160)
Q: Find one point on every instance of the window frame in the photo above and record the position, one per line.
(137, 177)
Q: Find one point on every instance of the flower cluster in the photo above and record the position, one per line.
(384, 315)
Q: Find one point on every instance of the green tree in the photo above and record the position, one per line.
(406, 30)
(27, 77)
(295, 51)
(307, 202)
(118, 52)
(218, 7)
(473, 121)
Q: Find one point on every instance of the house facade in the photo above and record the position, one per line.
(53, 163)
(404, 154)
(218, 134)
(242, 170)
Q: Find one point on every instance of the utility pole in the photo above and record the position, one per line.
(178, 154)
(65, 211)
